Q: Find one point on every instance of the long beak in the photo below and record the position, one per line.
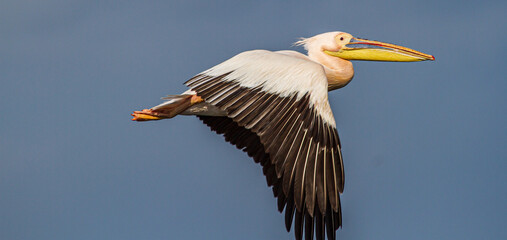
(368, 50)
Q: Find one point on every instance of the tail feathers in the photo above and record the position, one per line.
(171, 101)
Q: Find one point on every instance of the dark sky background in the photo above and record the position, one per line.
(424, 144)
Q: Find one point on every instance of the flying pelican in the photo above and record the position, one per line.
(274, 106)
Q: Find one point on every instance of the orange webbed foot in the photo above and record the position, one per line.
(145, 115)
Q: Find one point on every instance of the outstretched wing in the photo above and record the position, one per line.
(278, 112)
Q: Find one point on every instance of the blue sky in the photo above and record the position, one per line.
(424, 144)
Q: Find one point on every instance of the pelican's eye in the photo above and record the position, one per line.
(341, 39)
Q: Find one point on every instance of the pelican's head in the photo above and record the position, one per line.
(345, 46)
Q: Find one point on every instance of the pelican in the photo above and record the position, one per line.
(274, 106)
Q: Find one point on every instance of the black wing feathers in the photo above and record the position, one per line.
(298, 150)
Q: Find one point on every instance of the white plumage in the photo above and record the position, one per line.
(277, 73)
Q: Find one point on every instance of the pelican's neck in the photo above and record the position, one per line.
(339, 72)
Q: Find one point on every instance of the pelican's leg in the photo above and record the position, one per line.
(174, 106)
